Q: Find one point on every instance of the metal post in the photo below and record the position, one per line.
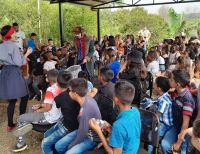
(98, 25)
(61, 24)
(39, 22)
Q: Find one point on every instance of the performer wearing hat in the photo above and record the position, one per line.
(85, 50)
(12, 82)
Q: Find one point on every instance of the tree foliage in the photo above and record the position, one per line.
(120, 21)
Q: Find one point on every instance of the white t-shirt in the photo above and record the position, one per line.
(96, 55)
(54, 114)
(49, 65)
(153, 67)
(20, 36)
(161, 63)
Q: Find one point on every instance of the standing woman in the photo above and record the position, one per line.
(12, 83)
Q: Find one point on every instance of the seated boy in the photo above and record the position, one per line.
(70, 110)
(164, 109)
(125, 133)
(45, 113)
(83, 138)
(193, 132)
(182, 108)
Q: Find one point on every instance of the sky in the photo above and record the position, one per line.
(186, 7)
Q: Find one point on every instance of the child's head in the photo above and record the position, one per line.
(183, 63)
(83, 74)
(58, 52)
(33, 36)
(50, 42)
(124, 93)
(110, 54)
(152, 55)
(158, 53)
(48, 55)
(52, 76)
(106, 75)
(78, 88)
(162, 85)
(96, 45)
(64, 78)
(196, 128)
(179, 79)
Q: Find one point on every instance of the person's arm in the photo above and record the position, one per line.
(45, 108)
(93, 92)
(186, 120)
(97, 129)
(19, 59)
(48, 102)
(24, 40)
(82, 130)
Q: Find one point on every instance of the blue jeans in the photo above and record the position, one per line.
(185, 144)
(51, 136)
(168, 140)
(163, 130)
(62, 145)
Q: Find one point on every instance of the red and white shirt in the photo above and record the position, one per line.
(54, 114)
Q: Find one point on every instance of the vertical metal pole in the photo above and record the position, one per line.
(39, 22)
(98, 25)
(61, 24)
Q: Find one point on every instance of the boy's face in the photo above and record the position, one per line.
(172, 82)
(50, 56)
(33, 37)
(157, 89)
(72, 94)
(50, 43)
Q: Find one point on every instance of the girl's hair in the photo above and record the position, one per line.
(111, 41)
(107, 74)
(5, 30)
(196, 128)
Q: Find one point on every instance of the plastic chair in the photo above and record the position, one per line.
(149, 131)
(75, 69)
(42, 128)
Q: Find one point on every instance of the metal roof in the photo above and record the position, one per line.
(105, 4)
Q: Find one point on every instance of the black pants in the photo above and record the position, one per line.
(11, 108)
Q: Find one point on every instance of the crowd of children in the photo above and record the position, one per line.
(125, 70)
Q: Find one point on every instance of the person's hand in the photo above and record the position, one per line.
(107, 127)
(36, 106)
(28, 52)
(175, 148)
(84, 61)
(94, 125)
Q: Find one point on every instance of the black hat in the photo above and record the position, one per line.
(135, 56)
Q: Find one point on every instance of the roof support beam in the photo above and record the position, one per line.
(148, 4)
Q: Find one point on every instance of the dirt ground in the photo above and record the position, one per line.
(7, 141)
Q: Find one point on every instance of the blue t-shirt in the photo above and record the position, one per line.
(115, 67)
(31, 44)
(126, 132)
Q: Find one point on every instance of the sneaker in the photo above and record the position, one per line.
(20, 146)
(11, 128)
(21, 131)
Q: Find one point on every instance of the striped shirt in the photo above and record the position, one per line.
(164, 106)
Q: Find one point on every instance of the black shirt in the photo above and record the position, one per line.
(70, 110)
(38, 69)
(107, 90)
